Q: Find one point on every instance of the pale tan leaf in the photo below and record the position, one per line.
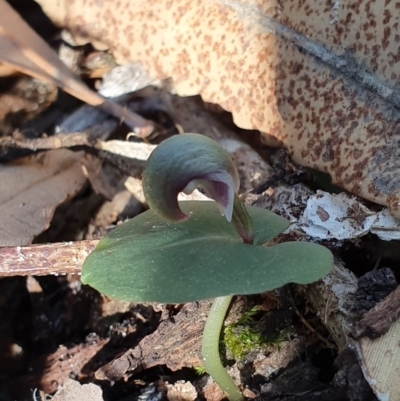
(31, 189)
(321, 78)
(23, 49)
(380, 360)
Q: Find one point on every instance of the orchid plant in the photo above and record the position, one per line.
(179, 252)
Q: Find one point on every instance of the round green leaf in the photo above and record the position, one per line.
(151, 260)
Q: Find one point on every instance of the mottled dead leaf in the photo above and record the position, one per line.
(31, 189)
(321, 78)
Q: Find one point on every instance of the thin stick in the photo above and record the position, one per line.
(308, 325)
(41, 260)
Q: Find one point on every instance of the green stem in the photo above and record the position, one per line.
(212, 330)
(242, 221)
(210, 348)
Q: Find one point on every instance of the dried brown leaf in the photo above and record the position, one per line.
(321, 79)
(31, 189)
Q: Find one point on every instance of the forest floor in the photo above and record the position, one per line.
(54, 329)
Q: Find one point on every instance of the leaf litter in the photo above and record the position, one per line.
(138, 344)
(32, 188)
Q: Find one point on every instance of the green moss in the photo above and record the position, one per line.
(200, 370)
(240, 338)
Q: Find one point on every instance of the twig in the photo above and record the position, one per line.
(40, 260)
(130, 163)
(23, 49)
(308, 325)
(327, 306)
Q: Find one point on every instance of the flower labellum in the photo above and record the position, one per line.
(183, 163)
